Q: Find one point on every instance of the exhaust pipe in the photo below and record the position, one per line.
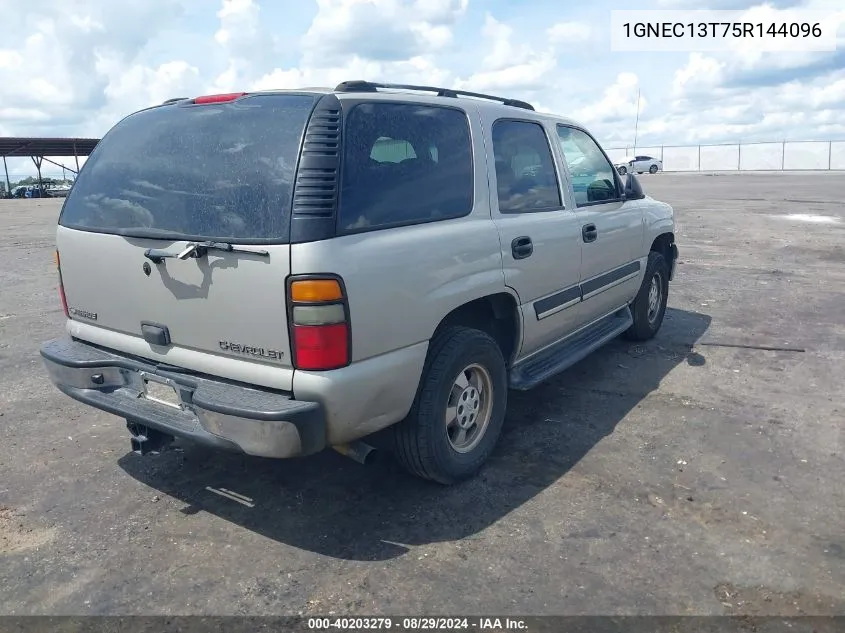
(360, 451)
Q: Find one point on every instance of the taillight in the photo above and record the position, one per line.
(61, 285)
(319, 324)
(231, 96)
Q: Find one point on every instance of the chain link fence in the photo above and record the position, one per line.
(764, 156)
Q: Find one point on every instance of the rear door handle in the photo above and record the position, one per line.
(522, 247)
(589, 232)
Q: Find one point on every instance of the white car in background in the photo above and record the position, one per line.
(639, 164)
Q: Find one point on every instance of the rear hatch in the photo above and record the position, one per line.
(165, 178)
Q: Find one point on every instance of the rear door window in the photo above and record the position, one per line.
(404, 164)
(526, 179)
(219, 171)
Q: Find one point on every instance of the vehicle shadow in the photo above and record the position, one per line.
(333, 506)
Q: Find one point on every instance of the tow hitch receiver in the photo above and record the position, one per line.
(147, 441)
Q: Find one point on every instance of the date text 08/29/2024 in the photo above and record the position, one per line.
(417, 624)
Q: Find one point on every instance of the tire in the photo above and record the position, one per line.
(423, 442)
(652, 169)
(639, 172)
(623, 171)
(648, 317)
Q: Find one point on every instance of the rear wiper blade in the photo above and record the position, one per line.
(199, 249)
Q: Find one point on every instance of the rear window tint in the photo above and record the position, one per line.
(222, 171)
(404, 164)
(525, 174)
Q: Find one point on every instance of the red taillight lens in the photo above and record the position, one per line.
(318, 323)
(231, 96)
(61, 286)
(320, 347)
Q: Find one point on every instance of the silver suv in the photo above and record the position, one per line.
(280, 272)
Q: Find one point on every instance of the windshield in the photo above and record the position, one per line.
(214, 172)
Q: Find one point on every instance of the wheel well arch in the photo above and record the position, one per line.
(663, 244)
(496, 314)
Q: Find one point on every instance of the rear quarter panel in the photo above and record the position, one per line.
(400, 284)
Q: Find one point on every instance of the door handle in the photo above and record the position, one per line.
(589, 232)
(522, 247)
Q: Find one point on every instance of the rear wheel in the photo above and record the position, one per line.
(649, 306)
(623, 171)
(652, 169)
(459, 409)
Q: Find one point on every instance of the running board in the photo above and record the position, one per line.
(563, 354)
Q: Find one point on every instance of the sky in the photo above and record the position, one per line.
(76, 68)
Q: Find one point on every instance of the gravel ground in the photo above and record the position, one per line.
(688, 475)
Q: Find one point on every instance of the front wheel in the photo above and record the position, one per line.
(459, 409)
(649, 306)
(623, 171)
(652, 169)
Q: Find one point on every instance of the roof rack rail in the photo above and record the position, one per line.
(174, 100)
(370, 86)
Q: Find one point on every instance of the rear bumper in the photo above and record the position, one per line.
(219, 414)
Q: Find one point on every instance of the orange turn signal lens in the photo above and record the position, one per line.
(310, 290)
(56, 258)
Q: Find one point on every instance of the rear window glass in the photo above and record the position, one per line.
(221, 171)
(404, 164)
(525, 174)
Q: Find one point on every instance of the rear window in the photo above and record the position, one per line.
(222, 171)
(404, 164)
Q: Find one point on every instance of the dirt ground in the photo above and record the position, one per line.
(688, 475)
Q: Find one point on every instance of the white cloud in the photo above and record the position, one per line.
(618, 102)
(569, 32)
(382, 30)
(177, 78)
(529, 76)
(829, 95)
(24, 114)
(51, 59)
(10, 59)
(700, 73)
(247, 44)
(707, 106)
(510, 65)
(439, 12)
(504, 52)
(417, 70)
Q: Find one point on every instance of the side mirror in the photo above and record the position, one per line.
(601, 190)
(633, 189)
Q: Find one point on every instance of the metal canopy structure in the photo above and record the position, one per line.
(38, 148)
